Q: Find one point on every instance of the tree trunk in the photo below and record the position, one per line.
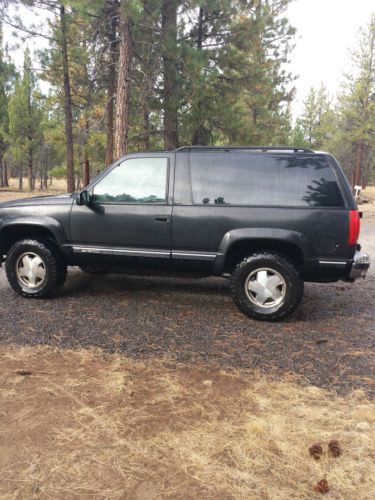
(45, 179)
(123, 84)
(86, 162)
(86, 170)
(112, 13)
(1, 170)
(30, 170)
(5, 173)
(201, 136)
(20, 179)
(146, 127)
(170, 100)
(358, 166)
(67, 104)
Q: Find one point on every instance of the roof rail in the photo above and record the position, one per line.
(244, 148)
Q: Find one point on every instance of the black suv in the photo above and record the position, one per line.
(267, 218)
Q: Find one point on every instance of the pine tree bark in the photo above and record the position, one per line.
(358, 166)
(20, 179)
(5, 173)
(123, 83)
(170, 100)
(200, 135)
(1, 170)
(67, 104)
(86, 171)
(30, 170)
(111, 88)
(146, 127)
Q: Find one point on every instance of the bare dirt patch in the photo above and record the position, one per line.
(80, 424)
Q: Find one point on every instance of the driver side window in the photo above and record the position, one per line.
(136, 180)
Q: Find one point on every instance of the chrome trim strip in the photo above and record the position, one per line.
(193, 256)
(334, 263)
(121, 251)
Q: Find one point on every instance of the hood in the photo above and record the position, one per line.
(62, 199)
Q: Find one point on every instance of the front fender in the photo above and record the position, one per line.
(41, 222)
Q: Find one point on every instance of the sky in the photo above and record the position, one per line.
(326, 31)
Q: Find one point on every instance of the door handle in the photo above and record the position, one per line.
(161, 219)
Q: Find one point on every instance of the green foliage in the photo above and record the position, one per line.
(25, 115)
(231, 84)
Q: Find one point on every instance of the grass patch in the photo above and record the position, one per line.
(88, 424)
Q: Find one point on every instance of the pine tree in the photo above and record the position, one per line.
(25, 120)
(316, 118)
(357, 106)
(7, 74)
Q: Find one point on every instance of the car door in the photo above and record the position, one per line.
(129, 212)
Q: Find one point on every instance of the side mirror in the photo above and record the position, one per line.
(83, 198)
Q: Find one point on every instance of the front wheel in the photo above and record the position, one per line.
(34, 268)
(266, 286)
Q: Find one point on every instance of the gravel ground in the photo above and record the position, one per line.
(328, 342)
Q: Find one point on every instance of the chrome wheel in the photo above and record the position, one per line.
(265, 287)
(30, 270)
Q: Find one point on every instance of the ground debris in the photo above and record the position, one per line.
(23, 372)
(316, 451)
(322, 487)
(334, 448)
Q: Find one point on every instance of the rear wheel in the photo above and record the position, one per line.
(266, 286)
(34, 268)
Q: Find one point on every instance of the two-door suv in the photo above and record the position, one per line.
(267, 218)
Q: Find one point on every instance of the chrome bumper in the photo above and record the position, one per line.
(361, 263)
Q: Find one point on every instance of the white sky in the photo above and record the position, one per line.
(326, 31)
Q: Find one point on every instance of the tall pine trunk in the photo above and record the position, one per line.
(20, 178)
(67, 104)
(30, 170)
(123, 83)
(170, 100)
(111, 86)
(1, 170)
(146, 126)
(358, 165)
(200, 134)
(5, 173)
(86, 161)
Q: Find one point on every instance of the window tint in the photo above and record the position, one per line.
(263, 179)
(137, 180)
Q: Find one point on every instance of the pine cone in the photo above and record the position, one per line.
(316, 451)
(334, 448)
(322, 486)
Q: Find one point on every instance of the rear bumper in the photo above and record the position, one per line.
(329, 269)
(360, 266)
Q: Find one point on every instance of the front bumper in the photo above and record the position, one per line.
(360, 266)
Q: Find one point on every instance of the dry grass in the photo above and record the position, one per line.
(12, 192)
(85, 424)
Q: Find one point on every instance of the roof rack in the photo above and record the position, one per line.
(244, 148)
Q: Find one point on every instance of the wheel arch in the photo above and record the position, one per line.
(23, 228)
(235, 247)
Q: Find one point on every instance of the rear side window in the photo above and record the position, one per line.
(263, 179)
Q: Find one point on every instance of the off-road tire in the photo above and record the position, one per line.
(54, 266)
(283, 266)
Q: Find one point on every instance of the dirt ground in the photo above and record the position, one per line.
(153, 388)
(85, 424)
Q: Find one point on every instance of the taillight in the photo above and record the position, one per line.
(354, 227)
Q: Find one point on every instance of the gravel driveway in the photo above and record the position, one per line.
(328, 342)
